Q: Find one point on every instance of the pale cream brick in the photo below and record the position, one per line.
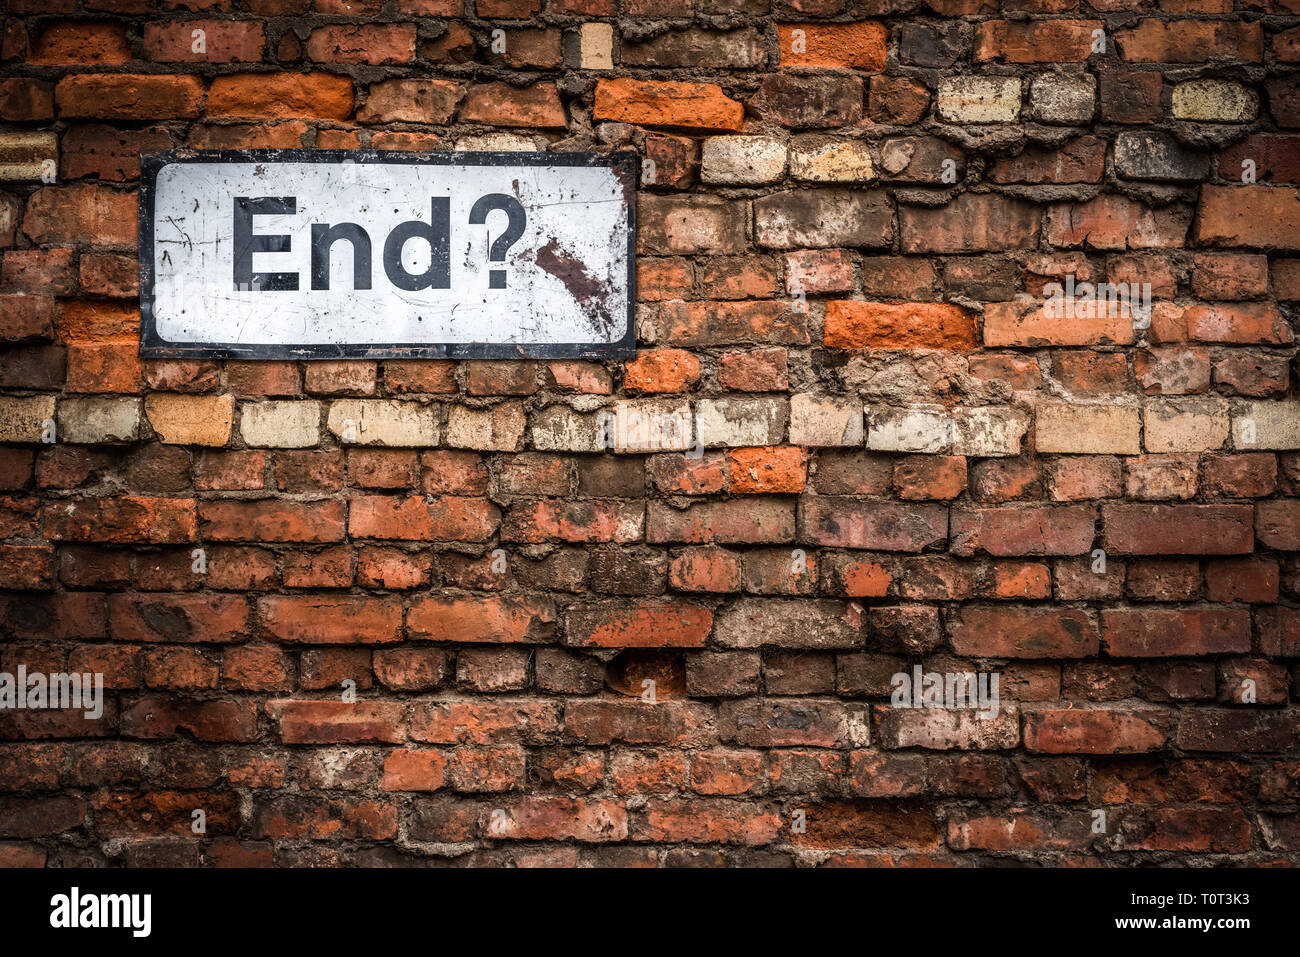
(285, 424)
(499, 428)
(23, 420)
(1266, 425)
(1068, 98)
(384, 422)
(646, 425)
(29, 156)
(837, 161)
(983, 431)
(1088, 429)
(191, 419)
(990, 431)
(740, 422)
(807, 623)
(824, 420)
(1223, 101)
(1185, 424)
(910, 430)
(979, 99)
(596, 46)
(496, 143)
(99, 420)
(742, 160)
(941, 729)
(559, 428)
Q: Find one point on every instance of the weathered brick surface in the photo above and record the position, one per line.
(891, 446)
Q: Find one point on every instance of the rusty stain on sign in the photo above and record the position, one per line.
(362, 253)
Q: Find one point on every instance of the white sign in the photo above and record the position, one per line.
(315, 254)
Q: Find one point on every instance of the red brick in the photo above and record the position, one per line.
(158, 717)
(1153, 632)
(883, 526)
(129, 96)
(1042, 530)
(773, 470)
(704, 569)
(858, 46)
(1030, 632)
(416, 519)
(81, 44)
(700, 106)
(272, 520)
(861, 325)
(374, 44)
(1096, 731)
(274, 95)
(1259, 217)
(224, 41)
(1242, 579)
(318, 620)
(43, 271)
(1024, 41)
(646, 624)
(662, 370)
(334, 722)
(178, 618)
(500, 104)
(474, 620)
(585, 521)
(82, 213)
(1277, 524)
(123, 519)
(1191, 41)
(323, 818)
(25, 100)
(1178, 529)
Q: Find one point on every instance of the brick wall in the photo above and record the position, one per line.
(845, 236)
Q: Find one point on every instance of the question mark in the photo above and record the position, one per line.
(518, 218)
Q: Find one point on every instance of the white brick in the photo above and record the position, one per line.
(742, 160)
(281, 425)
(496, 429)
(910, 430)
(1185, 424)
(837, 161)
(559, 428)
(1068, 98)
(647, 425)
(1223, 101)
(990, 431)
(98, 421)
(496, 143)
(23, 420)
(740, 422)
(596, 46)
(979, 99)
(820, 420)
(1275, 425)
(984, 431)
(1088, 429)
(384, 422)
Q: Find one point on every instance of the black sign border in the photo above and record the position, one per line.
(625, 166)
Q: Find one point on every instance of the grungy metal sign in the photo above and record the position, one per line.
(359, 253)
